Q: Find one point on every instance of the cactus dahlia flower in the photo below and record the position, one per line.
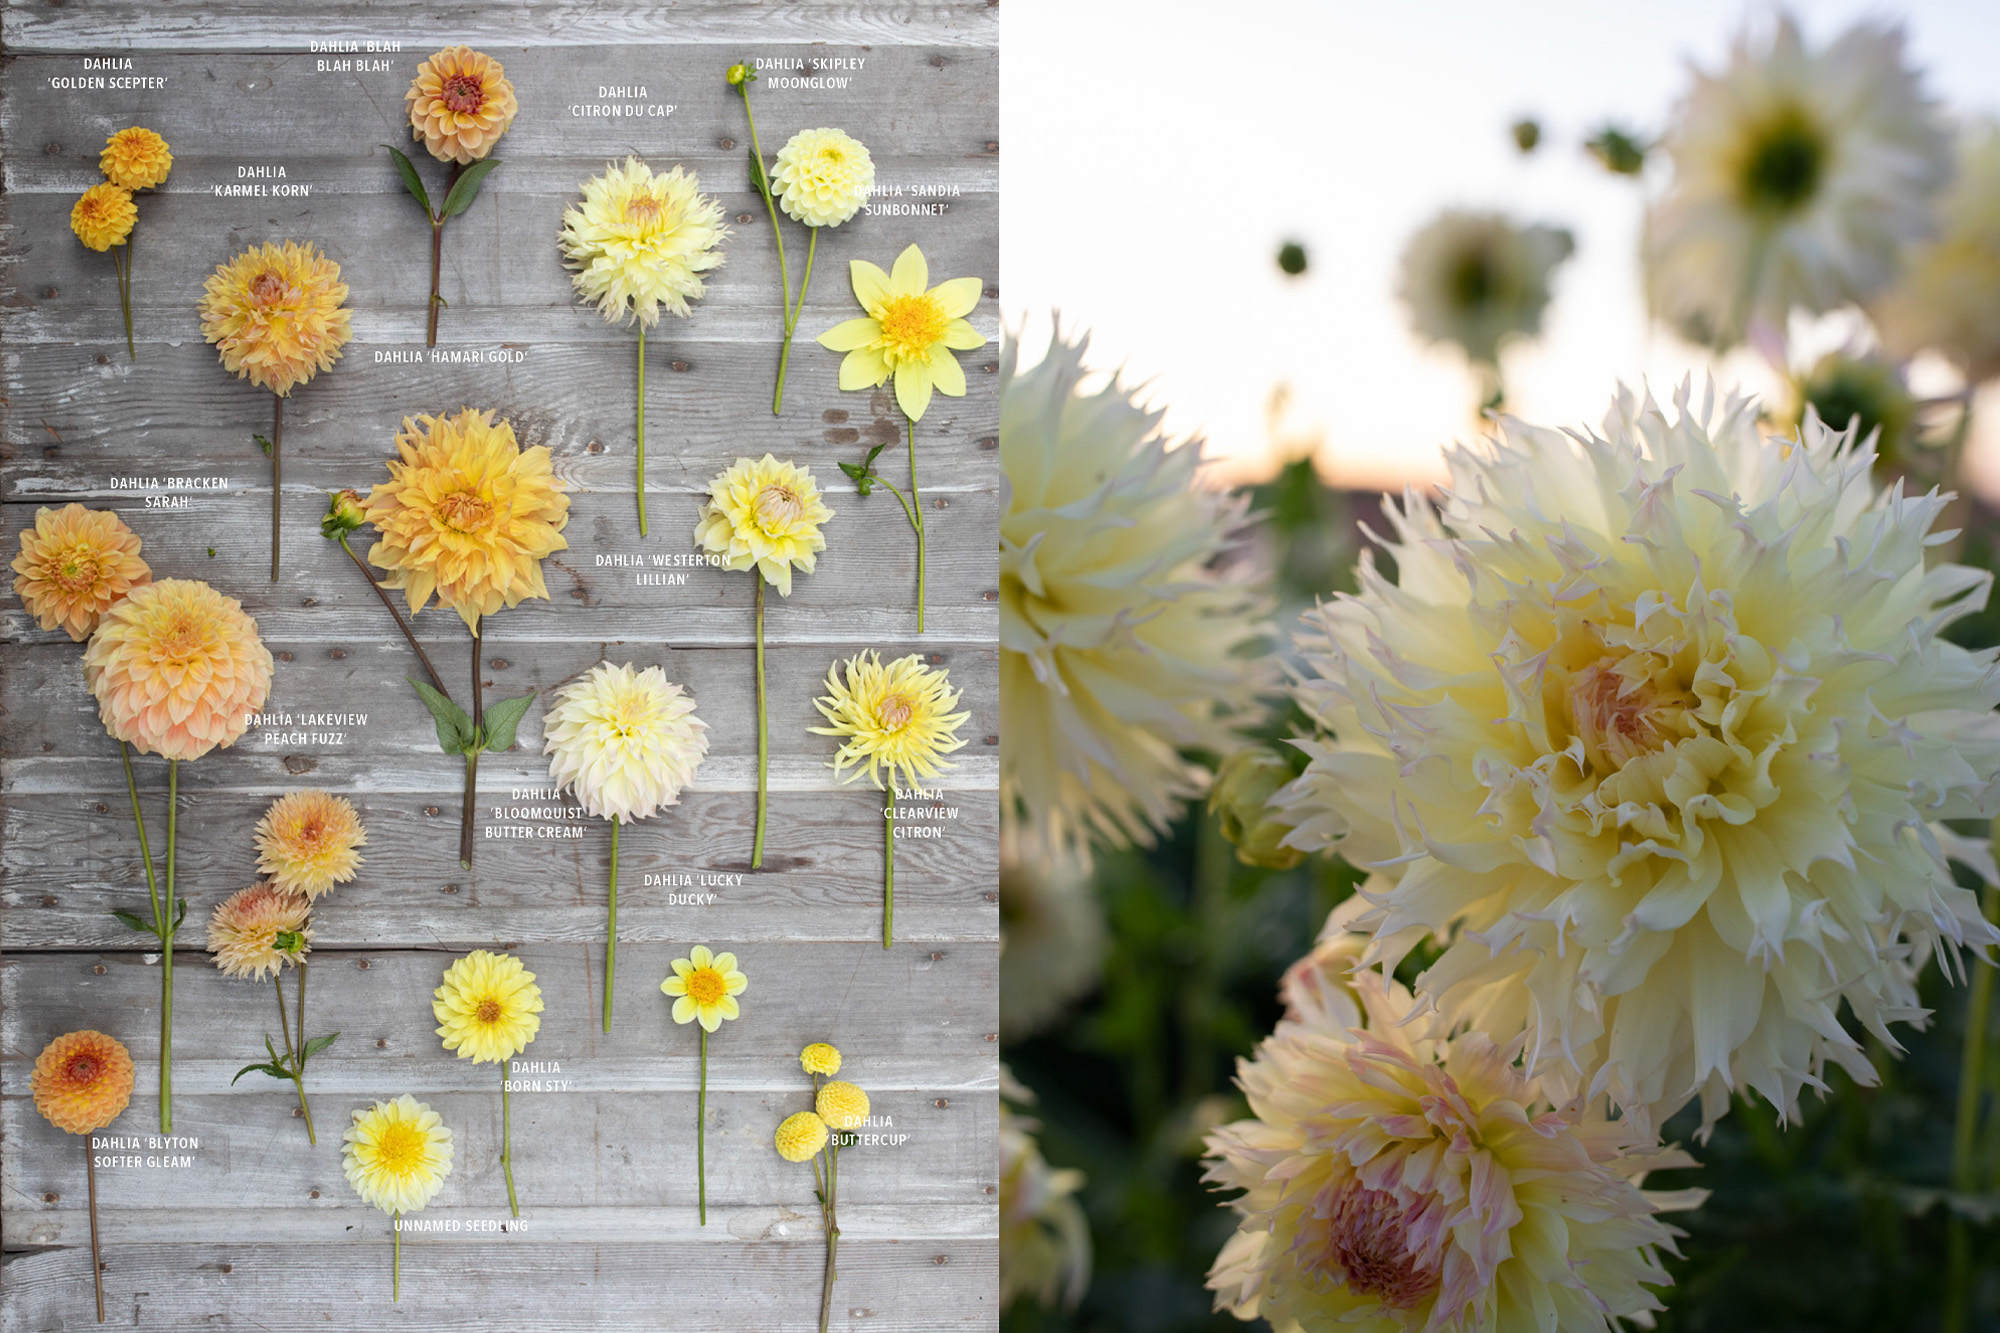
(1653, 732)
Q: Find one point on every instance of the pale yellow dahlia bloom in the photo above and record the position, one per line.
(1949, 297)
(460, 104)
(625, 742)
(177, 669)
(254, 932)
(467, 514)
(1655, 732)
(1476, 280)
(1044, 1236)
(843, 1106)
(1121, 646)
(641, 241)
(896, 717)
(1800, 176)
(309, 841)
(275, 315)
(823, 177)
(488, 1007)
(398, 1154)
(76, 564)
(800, 1137)
(136, 158)
(104, 216)
(764, 513)
(1052, 934)
(704, 987)
(1394, 1184)
(910, 331)
(820, 1058)
(82, 1081)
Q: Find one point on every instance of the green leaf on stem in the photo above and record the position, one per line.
(863, 479)
(263, 443)
(467, 189)
(271, 1069)
(134, 922)
(758, 181)
(179, 916)
(315, 1046)
(455, 731)
(411, 180)
(502, 720)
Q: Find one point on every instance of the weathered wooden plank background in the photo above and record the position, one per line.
(262, 1231)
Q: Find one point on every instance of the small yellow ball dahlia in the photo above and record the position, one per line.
(820, 1058)
(896, 717)
(467, 514)
(460, 104)
(910, 331)
(177, 669)
(104, 216)
(842, 1105)
(801, 1136)
(641, 241)
(255, 931)
(823, 177)
(397, 1155)
(488, 1007)
(274, 313)
(76, 564)
(309, 841)
(625, 742)
(136, 158)
(705, 986)
(82, 1081)
(764, 513)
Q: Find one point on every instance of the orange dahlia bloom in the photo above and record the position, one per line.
(82, 1081)
(75, 564)
(254, 932)
(460, 104)
(274, 312)
(177, 669)
(104, 216)
(467, 514)
(309, 841)
(136, 159)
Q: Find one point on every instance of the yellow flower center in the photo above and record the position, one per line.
(462, 511)
(911, 326)
(778, 507)
(488, 1011)
(399, 1149)
(462, 93)
(267, 288)
(895, 711)
(77, 572)
(180, 638)
(706, 986)
(1619, 719)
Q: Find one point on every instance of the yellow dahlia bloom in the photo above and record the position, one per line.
(467, 514)
(255, 931)
(896, 717)
(104, 216)
(274, 313)
(75, 564)
(1949, 296)
(705, 986)
(460, 104)
(1044, 1236)
(820, 1058)
(136, 158)
(398, 1154)
(1799, 179)
(1655, 733)
(1121, 646)
(641, 241)
(842, 1105)
(488, 1007)
(764, 513)
(1476, 280)
(177, 669)
(1399, 1185)
(625, 742)
(82, 1081)
(800, 1137)
(309, 841)
(910, 331)
(823, 177)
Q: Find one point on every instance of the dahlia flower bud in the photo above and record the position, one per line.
(1241, 802)
(739, 74)
(344, 513)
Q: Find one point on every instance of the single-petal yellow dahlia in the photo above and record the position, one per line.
(910, 331)
(82, 1081)
(398, 1154)
(309, 841)
(764, 513)
(842, 1105)
(801, 1136)
(488, 1007)
(136, 158)
(641, 241)
(177, 669)
(705, 986)
(104, 216)
(75, 564)
(625, 742)
(820, 1058)
(467, 514)
(254, 932)
(274, 313)
(896, 717)
(460, 104)
(822, 177)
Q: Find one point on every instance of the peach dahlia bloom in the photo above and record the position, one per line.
(460, 104)
(274, 313)
(75, 564)
(309, 841)
(177, 669)
(255, 931)
(82, 1081)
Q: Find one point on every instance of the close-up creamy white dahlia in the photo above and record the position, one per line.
(1654, 732)
(1476, 280)
(1799, 177)
(641, 241)
(1122, 646)
(624, 741)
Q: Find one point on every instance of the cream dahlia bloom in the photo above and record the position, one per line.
(1052, 934)
(1654, 732)
(625, 742)
(1799, 178)
(765, 513)
(1477, 279)
(1121, 646)
(641, 241)
(1949, 298)
(177, 669)
(822, 177)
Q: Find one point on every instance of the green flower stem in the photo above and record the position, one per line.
(642, 436)
(1964, 1162)
(763, 734)
(792, 321)
(889, 867)
(777, 233)
(396, 1263)
(507, 1139)
(145, 852)
(295, 1055)
(437, 681)
(701, 1132)
(277, 447)
(916, 511)
(611, 931)
(167, 958)
(124, 270)
(832, 1228)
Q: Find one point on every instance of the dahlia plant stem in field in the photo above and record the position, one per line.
(472, 757)
(437, 256)
(436, 680)
(792, 314)
(507, 1139)
(277, 447)
(1964, 1130)
(916, 512)
(889, 867)
(611, 929)
(763, 734)
(641, 486)
(96, 1263)
(701, 1135)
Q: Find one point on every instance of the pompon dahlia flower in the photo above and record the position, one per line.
(104, 216)
(1121, 647)
(256, 931)
(1654, 733)
(82, 1081)
(459, 104)
(177, 669)
(1799, 178)
(309, 841)
(640, 241)
(76, 564)
(136, 158)
(276, 315)
(822, 177)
